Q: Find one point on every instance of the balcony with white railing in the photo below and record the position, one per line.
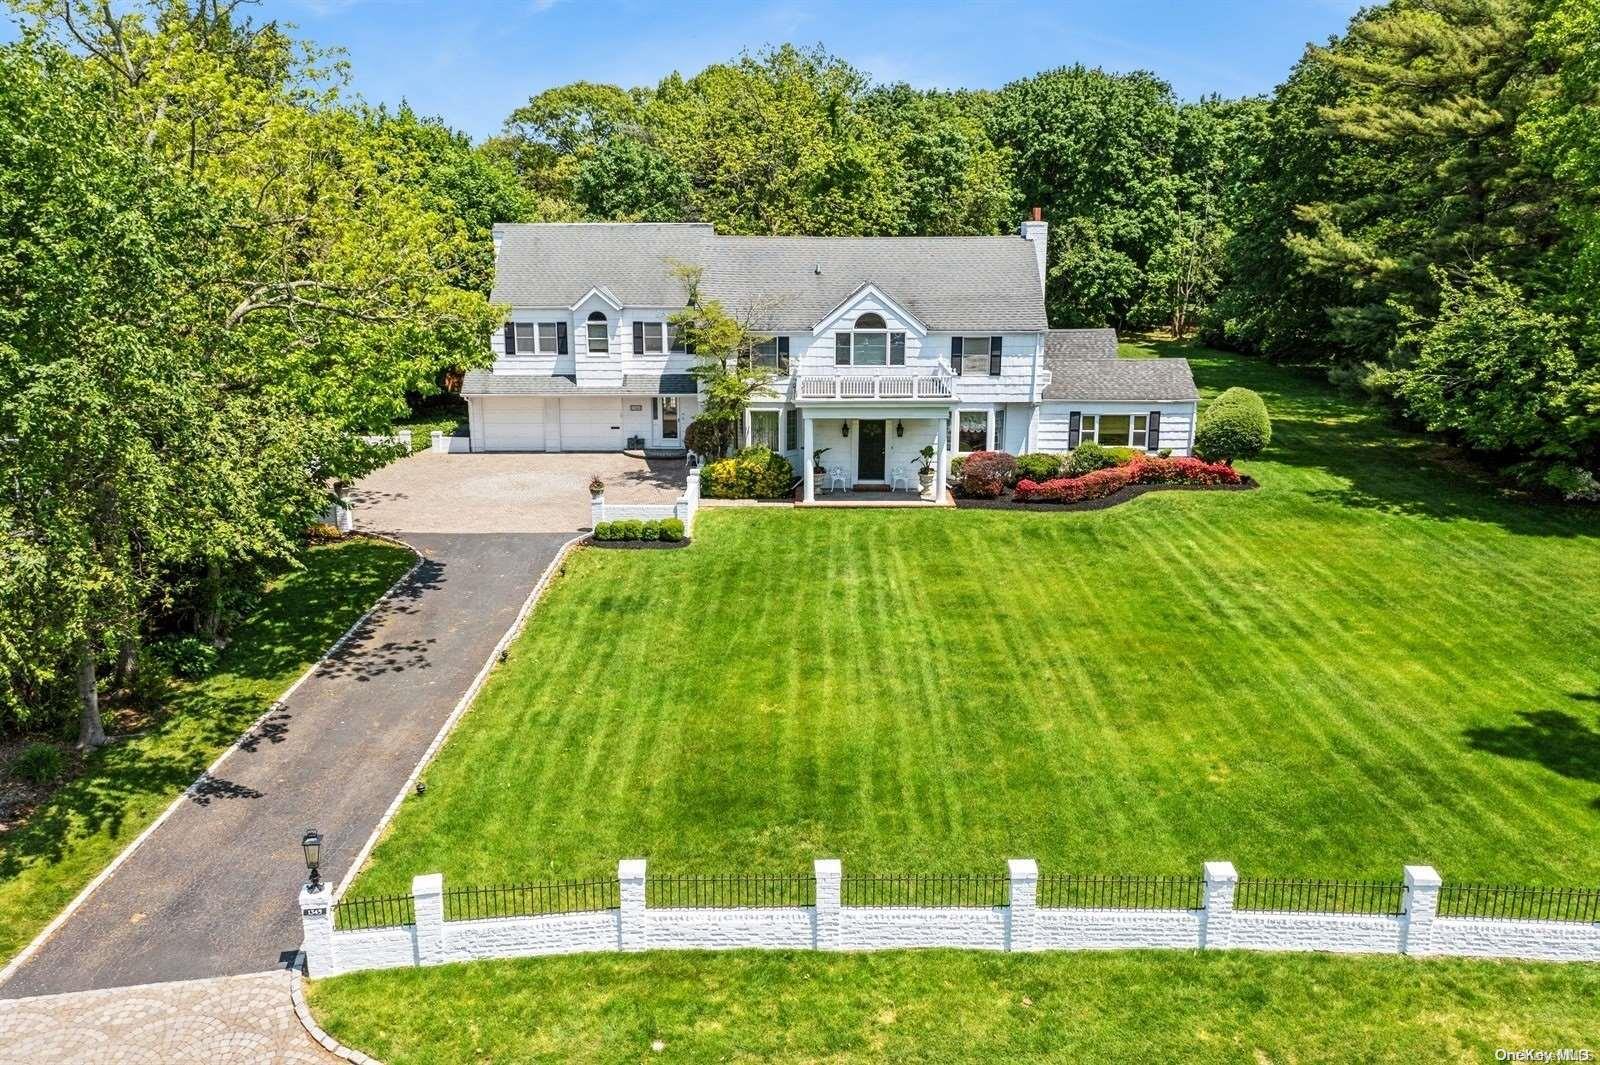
(898, 387)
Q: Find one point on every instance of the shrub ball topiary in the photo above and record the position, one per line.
(1233, 426)
(651, 530)
(986, 474)
(1089, 457)
(38, 763)
(671, 530)
(632, 528)
(1039, 466)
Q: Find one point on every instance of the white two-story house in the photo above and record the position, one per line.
(882, 345)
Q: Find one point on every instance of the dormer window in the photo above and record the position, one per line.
(599, 340)
(869, 343)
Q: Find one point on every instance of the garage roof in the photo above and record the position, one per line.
(1081, 343)
(778, 283)
(485, 383)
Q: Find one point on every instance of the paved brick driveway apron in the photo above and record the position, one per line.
(211, 892)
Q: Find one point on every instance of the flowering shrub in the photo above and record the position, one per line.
(986, 474)
(1103, 483)
(754, 473)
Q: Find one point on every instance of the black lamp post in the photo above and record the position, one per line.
(311, 843)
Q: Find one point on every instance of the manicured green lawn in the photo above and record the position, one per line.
(49, 859)
(1371, 661)
(947, 1006)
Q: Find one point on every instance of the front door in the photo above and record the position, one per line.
(869, 460)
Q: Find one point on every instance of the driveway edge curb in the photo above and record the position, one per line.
(297, 995)
(460, 709)
(123, 855)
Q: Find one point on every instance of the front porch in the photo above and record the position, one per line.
(871, 455)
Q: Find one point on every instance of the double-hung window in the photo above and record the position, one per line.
(975, 355)
(870, 343)
(764, 428)
(599, 336)
(534, 338)
(772, 353)
(677, 339)
(652, 338)
(1117, 430)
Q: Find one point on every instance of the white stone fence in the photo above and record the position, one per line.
(1019, 911)
(684, 509)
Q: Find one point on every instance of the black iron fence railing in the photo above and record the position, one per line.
(938, 889)
(1121, 892)
(374, 911)
(1280, 895)
(530, 900)
(732, 892)
(1519, 903)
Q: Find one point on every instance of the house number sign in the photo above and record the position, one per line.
(315, 911)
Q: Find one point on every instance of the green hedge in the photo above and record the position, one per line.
(664, 530)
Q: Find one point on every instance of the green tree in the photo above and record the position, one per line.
(1095, 151)
(627, 180)
(722, 345)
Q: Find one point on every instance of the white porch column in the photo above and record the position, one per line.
(941, 462)
(810, 495)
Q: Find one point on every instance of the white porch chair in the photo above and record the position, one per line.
(836, 477)
(902, 479)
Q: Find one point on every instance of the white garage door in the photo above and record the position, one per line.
(591, 424)
(513, 424)
(1053, 425)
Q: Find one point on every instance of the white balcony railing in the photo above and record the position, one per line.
(903, 387)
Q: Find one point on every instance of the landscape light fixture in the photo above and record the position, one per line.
(311, 843)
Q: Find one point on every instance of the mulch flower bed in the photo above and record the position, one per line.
(638, 545)
(1245, 484)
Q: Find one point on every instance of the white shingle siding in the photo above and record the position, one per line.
(1177, 423)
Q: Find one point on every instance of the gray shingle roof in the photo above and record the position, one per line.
(486, 383)
(1081, 343)
(1074, 377)
(782, 283)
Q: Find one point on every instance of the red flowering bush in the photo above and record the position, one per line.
(986, 474)
(1103, 483)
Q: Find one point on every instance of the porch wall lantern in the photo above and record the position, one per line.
(311, 843)
(844, 428)
(899, 428)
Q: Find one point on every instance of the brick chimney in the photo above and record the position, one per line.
(1037, 230)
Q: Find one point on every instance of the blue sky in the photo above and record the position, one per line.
(473, 61)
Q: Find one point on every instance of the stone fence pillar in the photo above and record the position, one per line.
(597, 509)
(631, 932)
(828, 873)
(1022, 927)
(1422, 905)
(427, 907)
(1216, 924)
(316, 930)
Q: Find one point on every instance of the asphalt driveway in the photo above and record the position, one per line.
(212, 891)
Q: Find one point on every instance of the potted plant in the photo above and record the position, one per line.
(817, 472)
(597, 487)
(925, 473)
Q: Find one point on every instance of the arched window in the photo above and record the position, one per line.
(599, 343)
(869, 343)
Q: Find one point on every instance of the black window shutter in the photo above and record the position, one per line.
(1074, 428)
(1152, 437)
(783, 354)
(996, 345)
(561, 338)
(955, 356)
(511, 339)
(654, 408)
(638, 338)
